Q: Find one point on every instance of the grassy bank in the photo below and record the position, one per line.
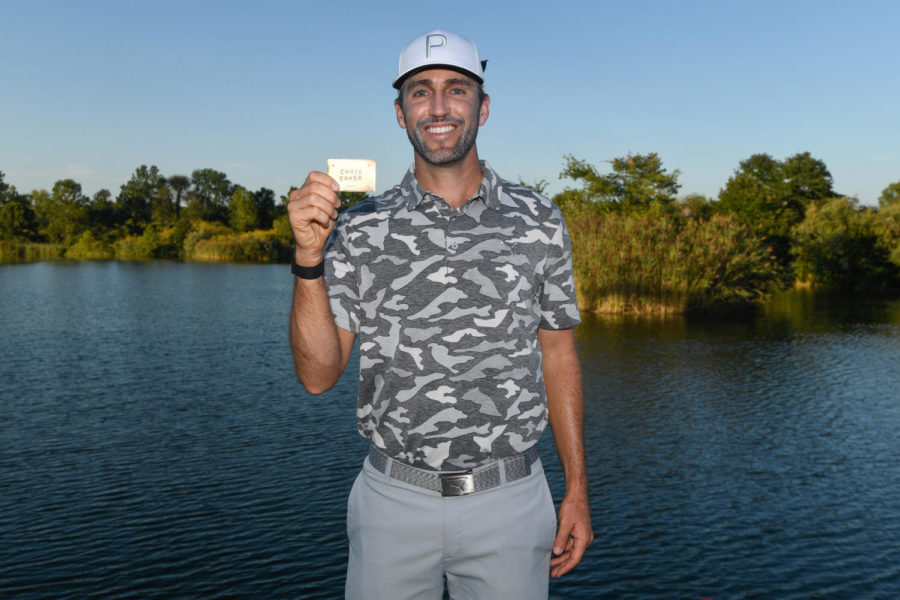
(12, 251)
(664, 263)
(624, 263)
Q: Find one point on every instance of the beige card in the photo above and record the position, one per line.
(353, 174)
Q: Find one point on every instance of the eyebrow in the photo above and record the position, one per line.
(425, 82)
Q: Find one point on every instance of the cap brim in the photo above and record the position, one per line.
(398, 83)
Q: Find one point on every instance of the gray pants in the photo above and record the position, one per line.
(491, 545)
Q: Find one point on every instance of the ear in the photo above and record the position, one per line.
(400, 119)
(485, 110)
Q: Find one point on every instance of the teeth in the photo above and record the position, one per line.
(443, 129)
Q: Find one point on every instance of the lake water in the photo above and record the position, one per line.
(155, 444)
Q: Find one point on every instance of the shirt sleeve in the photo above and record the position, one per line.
(559, 306)
(341, 278)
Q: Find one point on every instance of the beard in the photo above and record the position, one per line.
(443, 156)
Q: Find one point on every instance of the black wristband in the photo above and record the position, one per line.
(307, 272)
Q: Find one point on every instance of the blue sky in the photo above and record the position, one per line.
(267, 91)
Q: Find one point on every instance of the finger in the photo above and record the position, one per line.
(323, 179)
(323, 216)
(562, 538)
(571, 556)
(313, 200)
(319, 204)
(312, 193)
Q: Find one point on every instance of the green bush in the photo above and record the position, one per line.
(838, 246)
(88, 247)
(139, 247)
(200, 231)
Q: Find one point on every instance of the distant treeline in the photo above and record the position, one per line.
(637, 245)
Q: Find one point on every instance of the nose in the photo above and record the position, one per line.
(438, 105)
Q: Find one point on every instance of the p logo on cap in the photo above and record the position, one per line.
(434, 40)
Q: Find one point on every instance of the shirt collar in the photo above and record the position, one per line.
(488, 191)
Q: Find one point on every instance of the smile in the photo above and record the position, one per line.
(440, 129)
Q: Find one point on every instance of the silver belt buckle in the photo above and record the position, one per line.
(457, 484)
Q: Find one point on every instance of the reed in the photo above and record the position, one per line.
(664, 263)
(16, 251)
(252, 246)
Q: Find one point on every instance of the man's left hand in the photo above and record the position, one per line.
(574, 534)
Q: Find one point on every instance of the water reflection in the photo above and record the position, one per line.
(154, 444)
(745, 458)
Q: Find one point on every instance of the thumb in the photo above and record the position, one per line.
(561, 541)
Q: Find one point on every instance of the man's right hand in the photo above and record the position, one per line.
(313, 213)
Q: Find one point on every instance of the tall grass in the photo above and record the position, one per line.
(15, 251)
(252, 246)
(664, 263)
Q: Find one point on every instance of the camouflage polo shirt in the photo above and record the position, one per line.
(446, 305)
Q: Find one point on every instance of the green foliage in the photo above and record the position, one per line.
(88, 247)
(143, 194)
(663, 263)
(16, 251)
(838, 246)
(265, 207)
(637, 182)
(890, 195)
(62, 215)
(243, 212)
(887, 227)
(540, 186)
(146, 246)
(348, 199)
(636, 247)
(282, 229)
(771, 196)
(17, 218)
(211, 192)
(253, 246)
(178, 185)
(696, 206)
(200, 231)
(103, 215)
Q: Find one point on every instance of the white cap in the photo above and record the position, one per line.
(439, 48)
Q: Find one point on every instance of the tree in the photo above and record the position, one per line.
(62, 214)
(137, 197)
(771, 197)
(540, 186)
(212, 191)
(242, 212)
(17, 218)
(348, 199)
(838, 246)
(807, 179)
(889, 195)
(265, 207)
(179, 185)
(637, 182)
(103, 214)
(887, 222)
(162, 207)
(696, 206)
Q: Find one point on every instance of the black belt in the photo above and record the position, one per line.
(457, 483)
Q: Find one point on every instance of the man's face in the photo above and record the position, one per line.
(441, 112)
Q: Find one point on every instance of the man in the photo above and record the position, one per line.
(459, 286)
